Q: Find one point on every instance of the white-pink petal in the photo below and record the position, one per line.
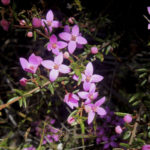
(48, 64)
(86, 85)
(75, 30)
(100, 101)
(49, 16)
(58, 59)
(83, 95)
(65, 36)
(53, 75)
(72, 46)
(92, 88)
(81, 40)
(96, 78)
(91, 116)
(101, 111)
(53, 39)
(61, 44)
(64, 69)
(24, 63)
(89, 69)
(55, 24)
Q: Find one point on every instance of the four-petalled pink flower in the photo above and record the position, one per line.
(73, 38)
(32, 64)
(71, 100)
(55, 45)
(49, 21)
(55, 66)
(91, 109)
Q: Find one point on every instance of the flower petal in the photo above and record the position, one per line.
(65, 36)
(75, 97)
(56, 51)
(58, 59)
(92, 88)
(61, 44)
(91, 116)
(53, 75)
(66, 28)
(100, 101)
(83, 95)
(89, 69)
(55, 24)
(81, 40)
(148, 9)
(95, 95)
(48, 64)
(96, 78)
(64, 69)
(53, 38)
(49, 46)
(49, 16)
(71, 47)
(101, 111)
(36, 60)
(75, 30)
(24, 63)
(86, 85)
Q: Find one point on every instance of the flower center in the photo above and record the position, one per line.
(31, 67)
(49, 23)
(91, 97)
(54, 45)
(56, 67)
(73, 38)
(88, 78)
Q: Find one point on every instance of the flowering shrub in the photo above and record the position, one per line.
(67, 79)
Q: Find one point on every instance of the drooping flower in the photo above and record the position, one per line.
(5, 2)
(5, 24)
(22, 22)
(70, 120)
(36, 22)
(73, 38)
(23, 81)
(127, 118)
(71, 100)
(89, 96)
(49, 21)
(30, 34)
(32, 64)
(55, 45)
(118, 129)
(91, 109)
(88, 77)
(94, 50)
(56, 66)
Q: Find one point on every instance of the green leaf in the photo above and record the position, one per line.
(34, 35)
(51, 88)
(133, 98)
(12, 99)
(136, 103)
(120, 114)
(124, 145)
(100, 56)
(126, 135)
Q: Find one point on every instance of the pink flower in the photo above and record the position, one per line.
(148, 26)
(5, 2)
(146, 147)
(127, 118)
(71, 20)
(71, 120)
(36, 22)
(89, 96)
(73, 38)
(118, 129)
(56, 66)
(88, 77)
(23, 81)
(71, 100)
(55, 45)
(49, 21)
(32, 64)
(94, 50)
(91, 109)
(5, 24)
(30, 34)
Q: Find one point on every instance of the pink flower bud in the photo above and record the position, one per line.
(66, 55)
(146, 147)
(71, 20)
(70, 120)
(36, 22)
(5, 24)
(23, 81)
(5, 2)
(94, 50)
(29, 34)
(118, 129)
(22, 22)
(127, 118)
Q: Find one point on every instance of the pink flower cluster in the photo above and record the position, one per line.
(70, 39)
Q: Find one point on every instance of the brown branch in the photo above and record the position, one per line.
(20, 97)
